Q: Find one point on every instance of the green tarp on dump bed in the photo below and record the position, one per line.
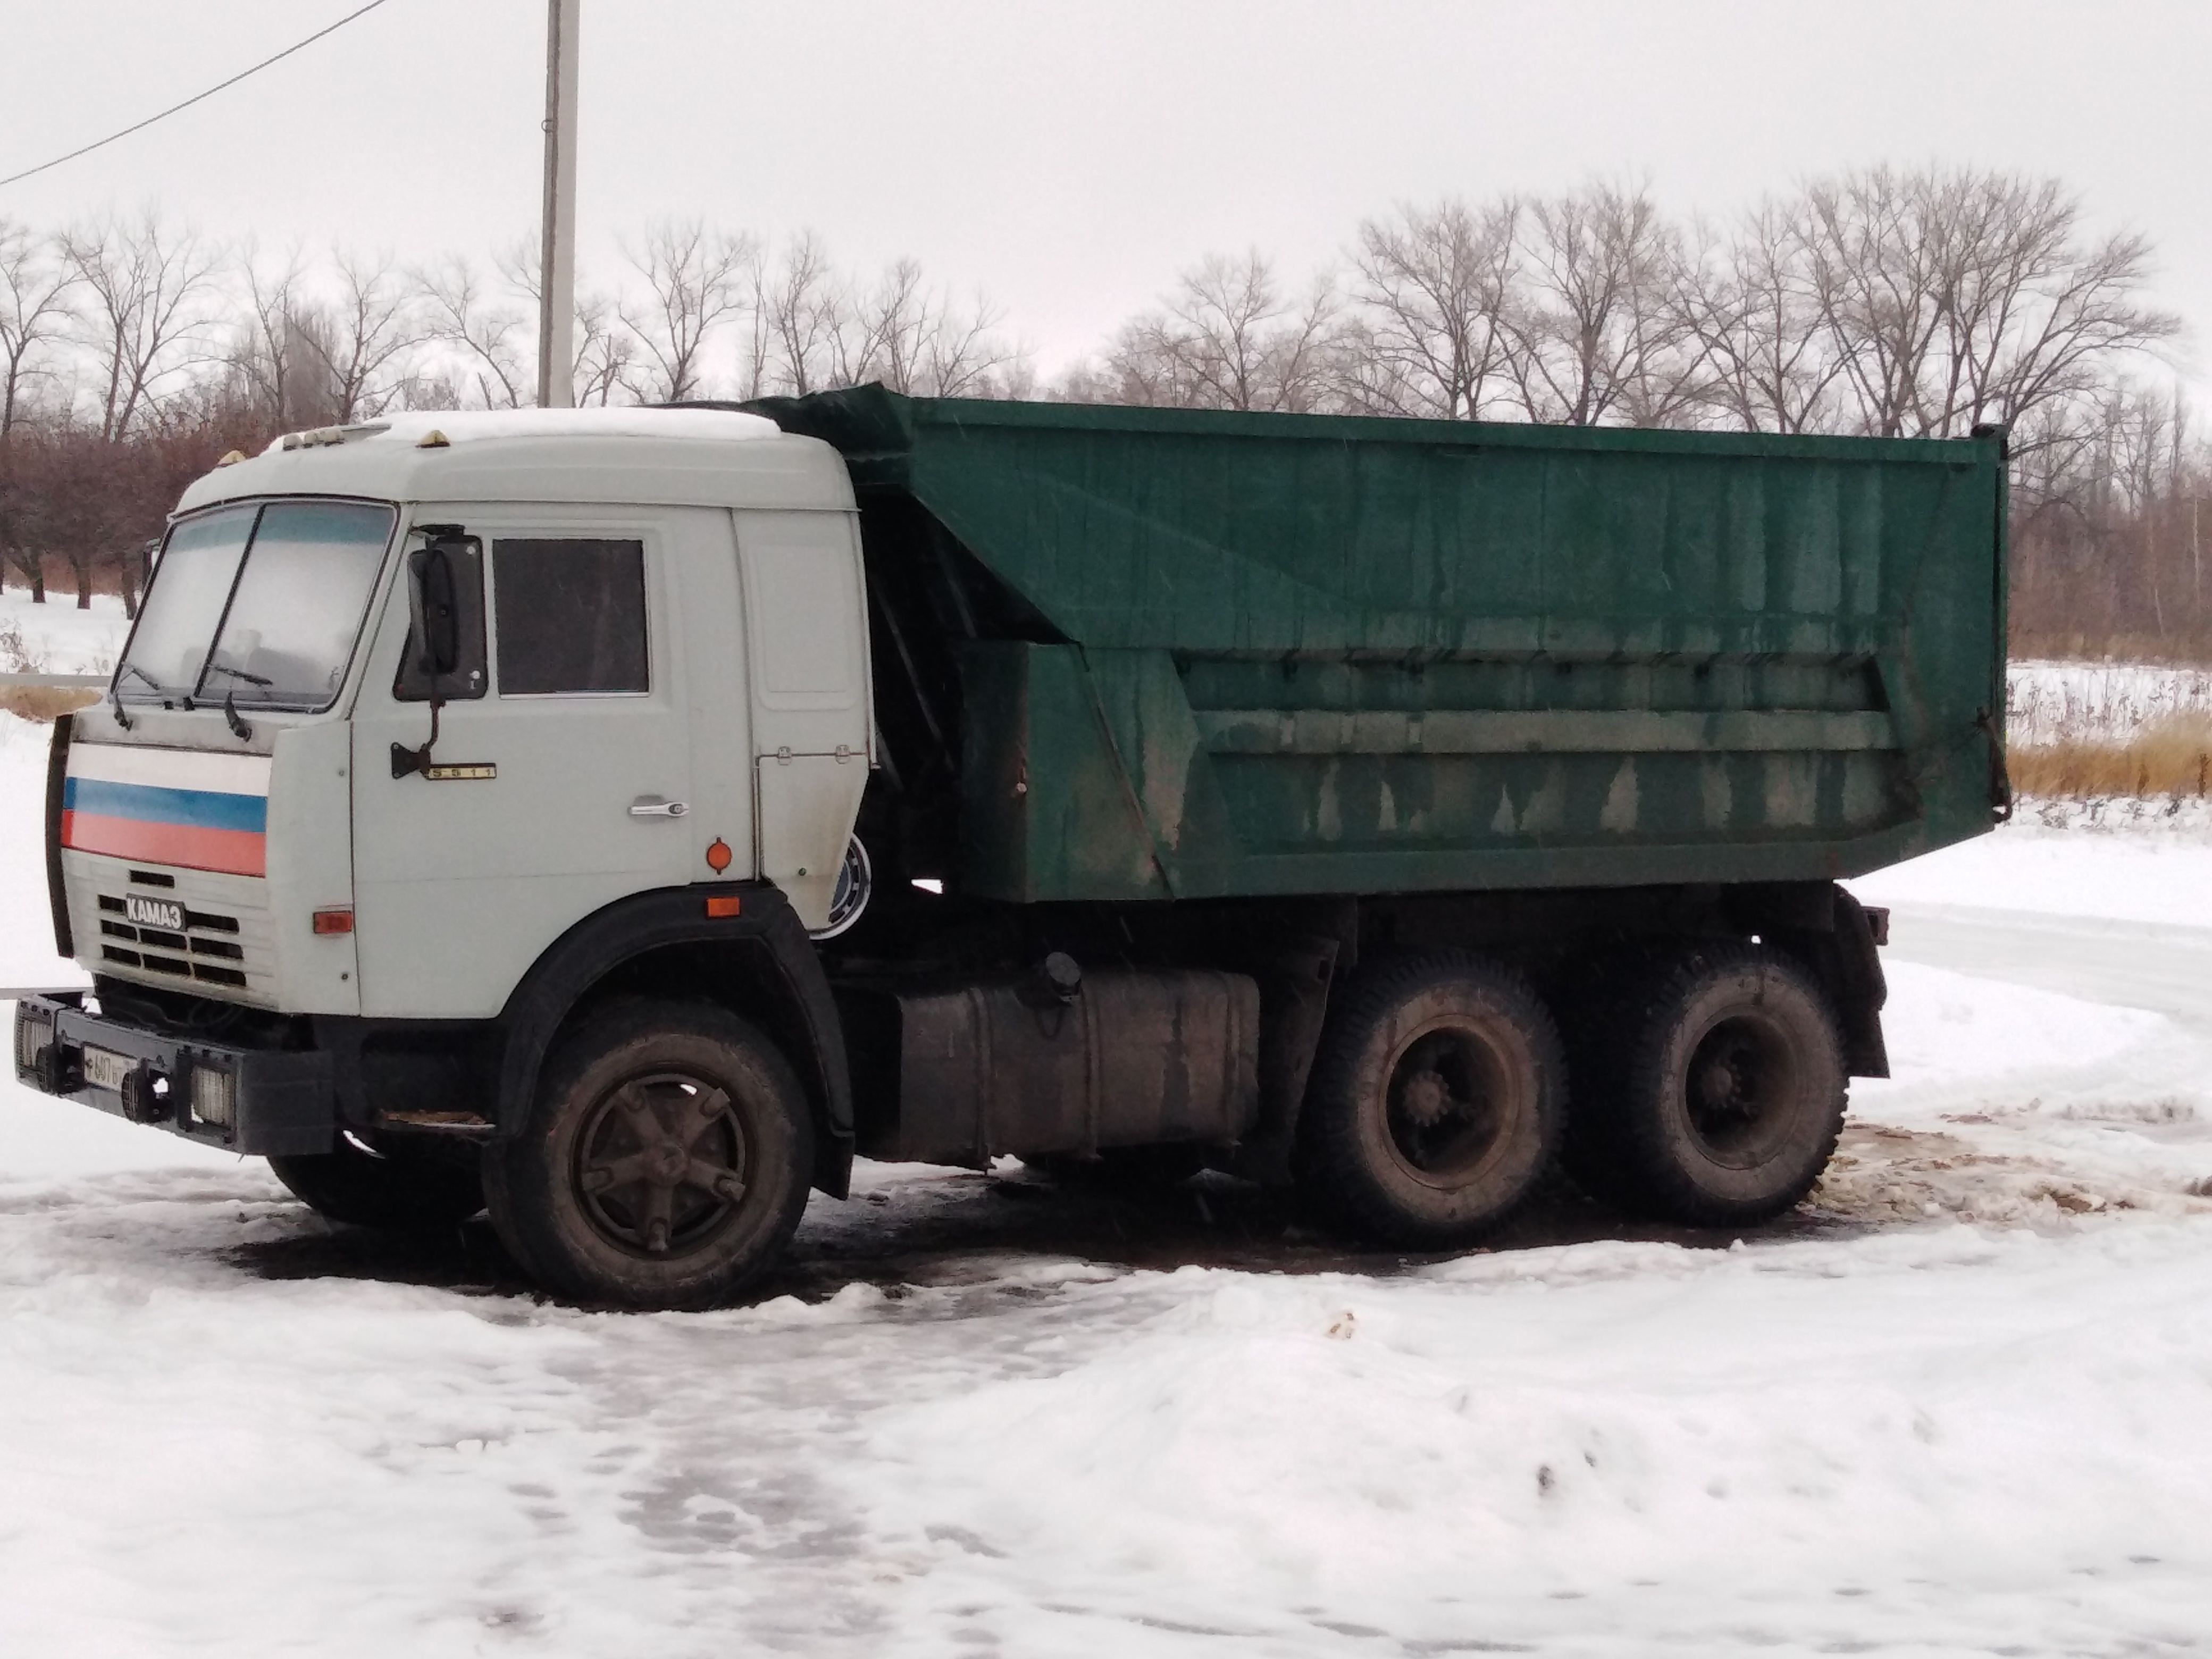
(1201, 653)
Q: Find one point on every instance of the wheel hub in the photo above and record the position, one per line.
(1427, 1098)
(661, 1163)
(1740, 1083)
(1443, 1114)
(1717, 1085)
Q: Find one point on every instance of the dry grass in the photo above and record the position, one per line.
(2171, 757)
(46, 702)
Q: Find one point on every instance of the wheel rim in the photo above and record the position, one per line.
(1740, 1090)
(1450, 1099)
(661, 1163)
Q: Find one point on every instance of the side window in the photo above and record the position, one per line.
(570, 615)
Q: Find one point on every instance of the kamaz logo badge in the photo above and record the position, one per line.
(154, 912)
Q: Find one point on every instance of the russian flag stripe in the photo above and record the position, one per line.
(203, 808)
(229, 852)
(191, 808)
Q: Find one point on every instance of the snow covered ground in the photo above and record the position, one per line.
(57, 638)
(1962, 1403)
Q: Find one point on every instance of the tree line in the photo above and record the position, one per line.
(1895, 302)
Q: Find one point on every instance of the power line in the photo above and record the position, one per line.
(141, 126)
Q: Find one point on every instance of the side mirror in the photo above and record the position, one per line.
(444, 660)
(434, 610)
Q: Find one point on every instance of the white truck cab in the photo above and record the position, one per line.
(665, 682)
(424, 719)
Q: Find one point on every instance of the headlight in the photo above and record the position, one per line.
(215, 1097)
(33, 1033)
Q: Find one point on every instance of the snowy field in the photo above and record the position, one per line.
(1961, 1404)
(2099, 701)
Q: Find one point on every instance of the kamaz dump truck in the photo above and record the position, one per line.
(622, 819)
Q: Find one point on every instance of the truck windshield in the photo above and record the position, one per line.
(260, 604)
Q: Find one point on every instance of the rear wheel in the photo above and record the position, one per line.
(1714, 1089)
(388, 1186)
(1435, 1102)
(665, 1163)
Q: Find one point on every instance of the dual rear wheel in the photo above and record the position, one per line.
(1709, 1090)
(1712, 1087)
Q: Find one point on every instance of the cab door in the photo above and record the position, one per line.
(563, 787)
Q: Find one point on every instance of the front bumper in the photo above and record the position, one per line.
(256, 1101)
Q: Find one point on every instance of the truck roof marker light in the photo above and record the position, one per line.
(718, 855)
(328, 922)
(727, 904)
(233, 458)
(434, 439)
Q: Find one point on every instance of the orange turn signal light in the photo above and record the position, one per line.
(726, 906)
(333, 921)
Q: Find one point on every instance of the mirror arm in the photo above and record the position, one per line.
(405, 760)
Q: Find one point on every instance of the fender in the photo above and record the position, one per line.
(665, 941)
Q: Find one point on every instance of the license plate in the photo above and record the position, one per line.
(103, 1070)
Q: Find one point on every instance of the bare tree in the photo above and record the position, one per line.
(35, 281)
(1435, 285)
(144, 317)
(1599, 338)
(695, 281)
(882, 334)
(1749, 309)
(798, 307)
(915, 339)
(35, 317)
(1227, 337)
(1955, 298)
(278, 360)
(365, 334)
(488, 331)
(2030, 314)
(604, 351)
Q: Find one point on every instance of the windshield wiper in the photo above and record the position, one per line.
(115, 692)
(239, 674)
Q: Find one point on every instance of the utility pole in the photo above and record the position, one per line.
(556, 267)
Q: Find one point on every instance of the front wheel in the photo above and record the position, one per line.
(1434, 1102)
(665, 1163)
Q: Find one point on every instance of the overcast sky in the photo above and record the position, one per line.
(1071, 158)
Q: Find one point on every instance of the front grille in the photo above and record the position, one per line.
(203, 951)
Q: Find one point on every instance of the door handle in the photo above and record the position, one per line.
(652, 806)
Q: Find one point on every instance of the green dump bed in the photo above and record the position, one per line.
(1165, 653)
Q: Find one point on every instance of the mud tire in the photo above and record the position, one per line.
(1713, 1088)
(665, 1163)
(1435, 1104)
